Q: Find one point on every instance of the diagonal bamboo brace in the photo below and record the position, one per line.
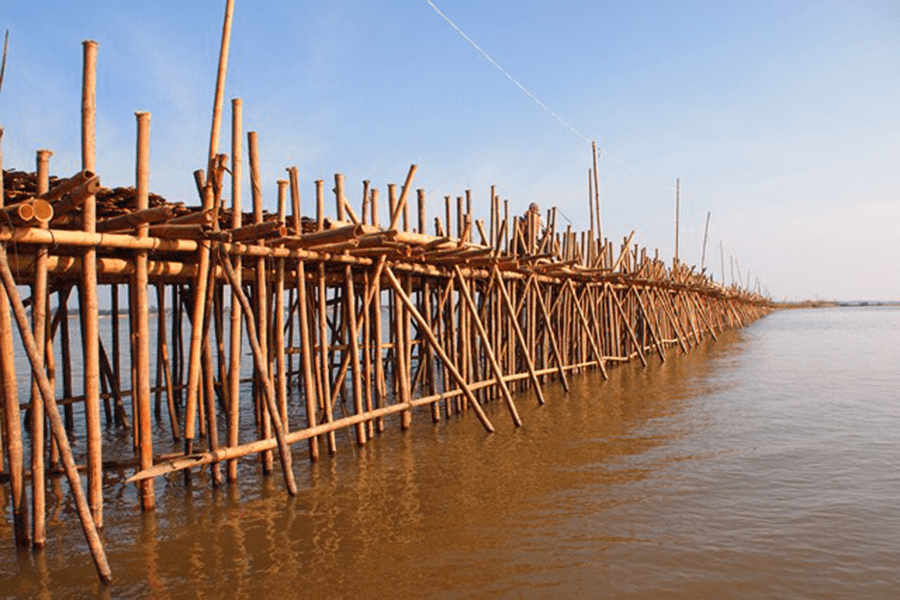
(56, 423)
(492, 358)
(432, 339)
(268, 389)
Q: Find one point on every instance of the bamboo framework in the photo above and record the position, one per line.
(347, 322)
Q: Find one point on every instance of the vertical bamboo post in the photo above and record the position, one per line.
(141, 387)
(306, 345)
(380, 385)
(65, 348)
(11, 412)
(353, 342)
(278, 321)
(594, 154)
(367, 347)
(163, 358)
(365, 201)
(201, 281)
(234, 363)
(90, 308)
(306, 350)
(39, 322)
(405, 328)
(260, 295)
(208, 373)
(591, 200)
(3, 425)
(420, 197)
(339, 195)
(427, 353)
(705, 236)
(325, 366)
(219, 324)
(449, 215)
(401, 370)
(320, 205)
(114, 376)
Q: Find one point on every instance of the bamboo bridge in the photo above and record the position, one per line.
(354, 323)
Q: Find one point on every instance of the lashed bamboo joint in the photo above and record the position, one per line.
(383, 320)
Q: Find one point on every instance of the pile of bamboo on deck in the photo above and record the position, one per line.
(349, 319)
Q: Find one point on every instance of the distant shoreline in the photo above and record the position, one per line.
(836, 304)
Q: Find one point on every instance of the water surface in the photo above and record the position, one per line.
(761, 466)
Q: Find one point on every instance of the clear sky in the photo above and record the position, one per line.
(782, 118)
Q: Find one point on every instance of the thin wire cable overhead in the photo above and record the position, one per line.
(537, 100)
(508, 75)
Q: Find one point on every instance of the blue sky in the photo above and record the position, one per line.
(782, 118)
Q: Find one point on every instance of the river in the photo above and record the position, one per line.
(766, 465)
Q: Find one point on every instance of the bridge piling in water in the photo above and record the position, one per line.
(385, 321)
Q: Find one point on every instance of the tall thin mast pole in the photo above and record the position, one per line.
(705, 235)
(677, 210)
(597, 191)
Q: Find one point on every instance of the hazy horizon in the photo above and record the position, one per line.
(779, 118)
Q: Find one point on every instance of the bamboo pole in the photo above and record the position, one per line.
(325, 365)
(201, 281)
(405, 348)
(677, 214)
(705, 236)
(380, 384)
(404, 194)
(90, 308)
(427, 353)
(11, 412)
(400, 370)
(219, 97)
(278, 320)
(587, 329)
(260, 445)
(595, 153)
(39, 322)
(520, 337)
(307, 358)
(631, 333)
(163, 359)
(260, 296)
(366, 325)
(650, 325)
(234, 365)
(398, 290)
(498, 372)
(209, 404)
(142, 342)
(353, 334)
(56, 425)
(268, 386)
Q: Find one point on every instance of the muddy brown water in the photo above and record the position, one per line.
(766, 465)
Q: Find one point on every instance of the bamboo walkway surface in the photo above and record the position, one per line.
(349, 320)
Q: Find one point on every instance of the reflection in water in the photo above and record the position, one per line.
(743, 469)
